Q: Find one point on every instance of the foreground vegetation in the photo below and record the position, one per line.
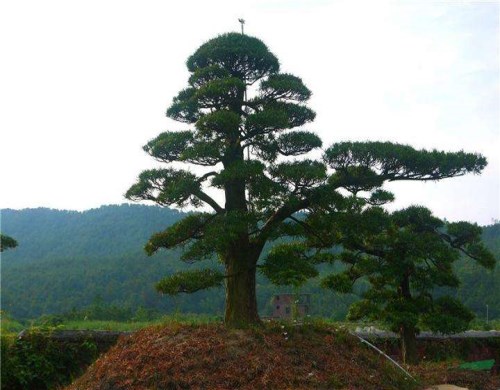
(38, 362)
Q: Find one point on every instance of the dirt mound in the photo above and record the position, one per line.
(213, 357)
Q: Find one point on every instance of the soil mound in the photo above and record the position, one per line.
(213, 357)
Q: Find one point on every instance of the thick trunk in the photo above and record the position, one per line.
(407, 332)
(408, 345)
(241, 299)
(240, 260)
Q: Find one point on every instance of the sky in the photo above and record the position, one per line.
(84, 84)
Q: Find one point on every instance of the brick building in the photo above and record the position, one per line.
(283, 305)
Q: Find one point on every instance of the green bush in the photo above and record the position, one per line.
(36, 361)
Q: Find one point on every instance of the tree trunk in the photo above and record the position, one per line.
(407, 332)
(241, 258)
(241, 299)
(408, 345)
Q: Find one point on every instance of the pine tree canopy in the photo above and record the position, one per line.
(402, 258)
(248, 140)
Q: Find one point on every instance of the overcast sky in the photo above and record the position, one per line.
(84, 84)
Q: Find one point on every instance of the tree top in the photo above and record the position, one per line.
(243, 56)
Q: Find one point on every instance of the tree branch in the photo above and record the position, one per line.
(308, 228)
(208, 200)
(206, 176)
(284, 212)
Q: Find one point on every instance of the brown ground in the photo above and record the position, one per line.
(448, 372)
(273, 357)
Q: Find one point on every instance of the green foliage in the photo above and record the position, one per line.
(190, 281)
(246, 115)
(341, 282)
(286, 264)
(165, 187)
(38, 362)
(447, 315)
(169, 146)
(404, 257)
(177, 233)
(7, 242)
(243, 170)
(9, 326)
(481, 324)
(299, 174)
(297, 143)
(220, 122)
(239, 55)
(363, 309)
(284, 86)
(396, 161)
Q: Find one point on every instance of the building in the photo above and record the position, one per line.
(291, 305)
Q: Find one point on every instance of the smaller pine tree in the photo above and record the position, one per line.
(404, 256)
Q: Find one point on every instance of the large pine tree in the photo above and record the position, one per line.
(247, 135)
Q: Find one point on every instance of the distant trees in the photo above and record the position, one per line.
(247, 135)
(7, 242)
(404, 256)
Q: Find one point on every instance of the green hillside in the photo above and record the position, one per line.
(66, 259)
(107, 231)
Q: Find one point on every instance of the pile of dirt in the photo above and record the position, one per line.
(213, 357)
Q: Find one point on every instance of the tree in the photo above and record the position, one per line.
(7, 242)
(246, 141)
(404, 256)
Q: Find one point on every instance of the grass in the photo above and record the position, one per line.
(9, 326)
(104, 325)
(478, 324)
(130, 326)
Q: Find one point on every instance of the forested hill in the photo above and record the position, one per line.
(107, 231)
(66, 259)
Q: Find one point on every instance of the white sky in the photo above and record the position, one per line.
(84, 84)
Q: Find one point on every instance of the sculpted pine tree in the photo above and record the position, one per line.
(405, 256)
(239, 103)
